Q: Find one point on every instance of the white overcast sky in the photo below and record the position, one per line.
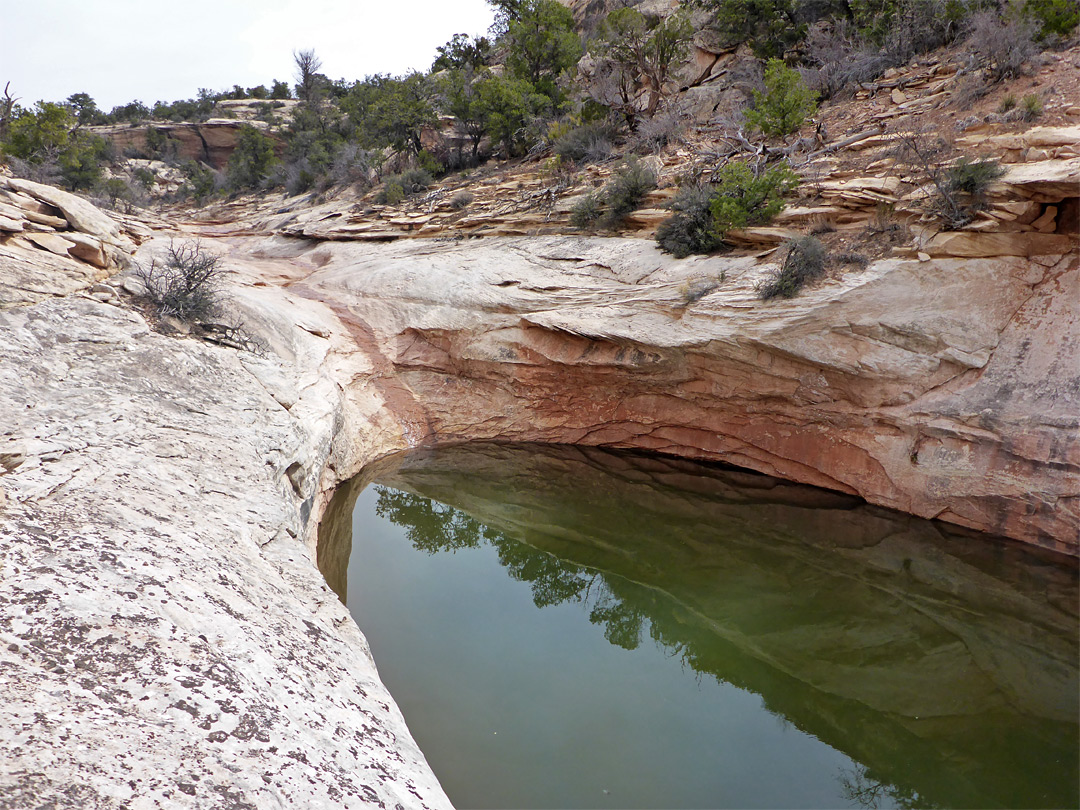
(121, 50)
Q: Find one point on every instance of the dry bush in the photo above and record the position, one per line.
(852, 258)
(186, 285)
(970, 89)
(957, 191)
(590, 143)
(840, 59)
(667, 126)
(1003, 47)
(621, 195)
(804, 261)
(587, 210)
(461, 200)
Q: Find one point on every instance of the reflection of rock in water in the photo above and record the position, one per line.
(946, 664)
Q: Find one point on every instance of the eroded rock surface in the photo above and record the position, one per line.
(166, 640)
(945, 388)
(54, 243)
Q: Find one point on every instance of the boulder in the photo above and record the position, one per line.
(82, 215)
(52, 242)
(974, 245)
(87, 248)
(11, 225)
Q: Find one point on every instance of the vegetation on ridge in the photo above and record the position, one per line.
(572, 101)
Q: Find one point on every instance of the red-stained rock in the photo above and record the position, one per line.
(946, 388)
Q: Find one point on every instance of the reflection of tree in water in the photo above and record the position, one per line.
(432, 527)
(621, 607)
(863, 789)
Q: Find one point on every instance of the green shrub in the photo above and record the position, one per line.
(690, 229)
(786, 103)
(771, 27)
(400, 186)
(132, 112)
(49, 139)
(144, 177)
(542, 45)
(973, 177)
(392, 194)
(1056, 18)
(587, 210)
(429, 164)
(462, 52)
(804, 261)
(80, 162)
(1008, 103)
(160, 145)
(115, 189)
(391, 111)
(743, 198)
(252, 160)
(1030, 107)
(200, 181)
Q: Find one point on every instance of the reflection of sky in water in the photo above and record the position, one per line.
(520, 707)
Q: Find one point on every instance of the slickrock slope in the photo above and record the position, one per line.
(165, 637)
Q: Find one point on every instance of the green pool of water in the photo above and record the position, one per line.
(566, 627)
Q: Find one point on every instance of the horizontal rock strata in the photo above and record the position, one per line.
(946, 388)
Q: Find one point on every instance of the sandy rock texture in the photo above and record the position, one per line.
(165, 638)
(945, 388)
(53, 243)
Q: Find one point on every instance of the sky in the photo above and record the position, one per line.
(122, 50)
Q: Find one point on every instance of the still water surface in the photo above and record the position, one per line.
(566, 627)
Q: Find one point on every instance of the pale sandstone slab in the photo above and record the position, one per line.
(82, 215)
(52, 242)
(975, 245)
(11, 225)
(165, 638)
